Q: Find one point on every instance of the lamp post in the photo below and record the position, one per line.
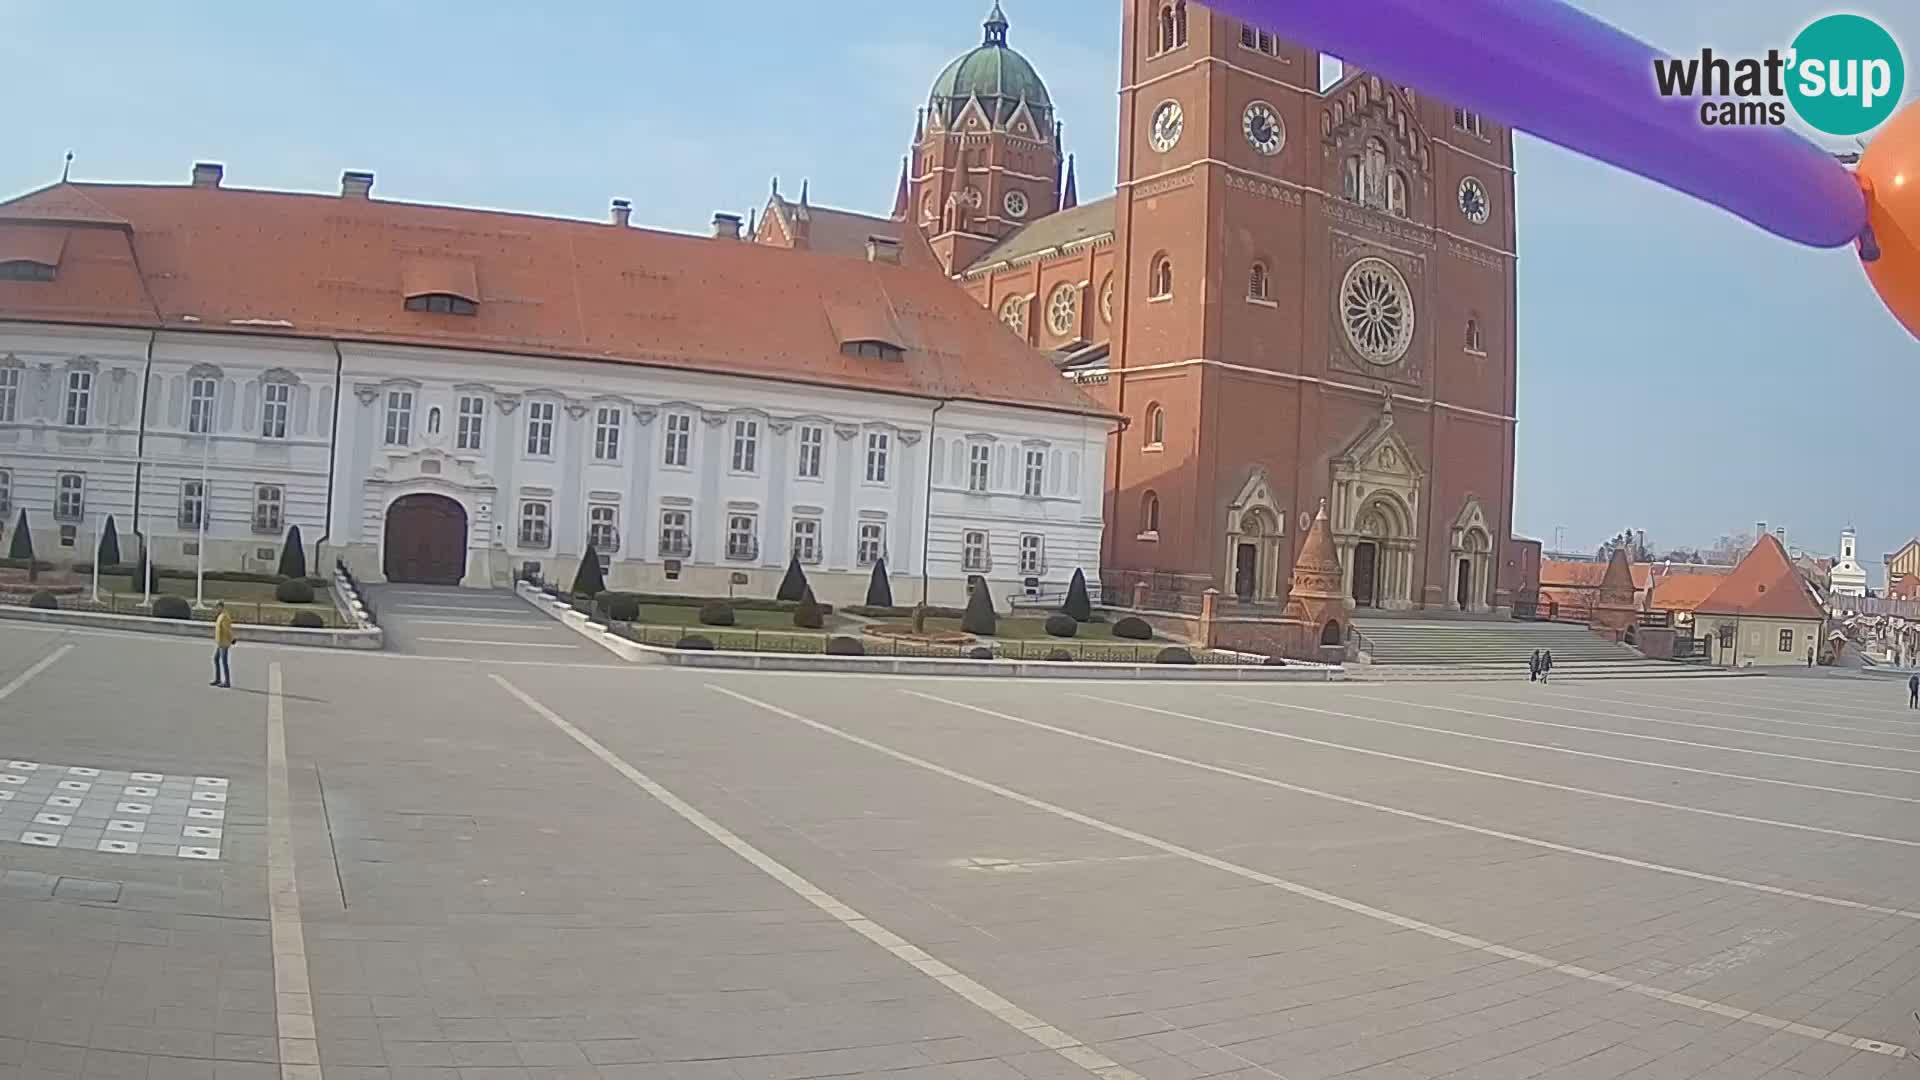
(206, 504)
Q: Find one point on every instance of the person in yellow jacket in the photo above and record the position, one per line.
(222, 644)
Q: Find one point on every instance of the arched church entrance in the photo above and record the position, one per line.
(425, 541)
(1380, 557)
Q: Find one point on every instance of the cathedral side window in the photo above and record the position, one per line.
(1475, 344)
(1063, 310)
(1160, 279)
(1258, 284)
(1397, 193)
(1013, 312)
(1350, 178)
(1373, 175)
(1156, 427)
(1150, 516)
(1376, 308)
(1106, 299)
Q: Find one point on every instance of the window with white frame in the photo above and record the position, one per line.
(1786, 641)
(269, 508)
(6, 492)
(9, 394)
(606, 433)
(70, 499)
(200, 405)
(473, 415)
(676, 534)
(679, 440)
(873, 542)
(193, 503)
(813, 442)
(79, 398)
(1032, 554)
(1036, 472)
(878, 445)
(540, 429)
(535, 523)
(973, 551)
(979, 466)
(603, 527)
(433, 420)
(277, 399)
(743, 536)
(746, 445)
(806, 539)
(399, 418)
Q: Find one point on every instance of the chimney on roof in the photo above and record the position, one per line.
(726, 226)
(622, 213)
(208, 173)
(356, 185)
(1759, 529)
(883, 249)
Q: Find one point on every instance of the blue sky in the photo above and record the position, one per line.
(1680, 371)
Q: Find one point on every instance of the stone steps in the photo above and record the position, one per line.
(1499, 643)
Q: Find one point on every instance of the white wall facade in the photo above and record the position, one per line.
(304, 425)
(1848, 577)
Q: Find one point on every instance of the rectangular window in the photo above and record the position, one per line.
(806, 539)
(399, 418)
(1032, 554)
(973, 551)
(279, 396)
(813, 440)
(873, 542)
(269, 504)
(878, 444)
(79, 398)
(70, 500)
(743, 536)
(679, 439)
(200, 406)
(6, 493)
(979, 465)
(606, 433)
(193, 503)
(9, 394)
(540, 429)
(473, 410)
(603, 527)
(676, 534)
(1786, 641)
(534, 518)
(1036, 476)
(746, 445)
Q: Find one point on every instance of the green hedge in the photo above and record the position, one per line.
(177, 574)
(21, 564)
(868, 611)
(739, 603)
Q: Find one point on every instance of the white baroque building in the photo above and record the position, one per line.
(455, 396)
(1848, 577)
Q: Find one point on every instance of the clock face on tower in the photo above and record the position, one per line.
(1264, 129)
(1168, 122)
(1474, 204)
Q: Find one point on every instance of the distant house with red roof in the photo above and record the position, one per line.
(1764, 614)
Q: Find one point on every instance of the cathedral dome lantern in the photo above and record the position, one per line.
(999, 78)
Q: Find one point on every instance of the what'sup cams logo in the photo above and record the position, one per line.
(1843, 75)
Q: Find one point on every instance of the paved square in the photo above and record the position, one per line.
(107, 810)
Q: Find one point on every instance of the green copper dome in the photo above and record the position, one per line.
(1000, 77)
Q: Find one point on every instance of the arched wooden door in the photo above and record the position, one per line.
(426, 541)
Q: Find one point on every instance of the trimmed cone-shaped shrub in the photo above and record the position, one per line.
(44, 601)
(845, 646)
(1078, 606)
(693, 641)
(1061, 626)
(293, 591)
(807, 616)
(588, 581)
(623, 607)
(1060, 655)
(109, 553)
(979, 652)
(879, 586)
(308, 620)
(171, 607)
(293, 555)
(980, 618)
(1133, 628)
(22, 546)
(716, 614)
(794, 585)
(1173, 656)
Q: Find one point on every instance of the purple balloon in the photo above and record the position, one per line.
(1546, 68)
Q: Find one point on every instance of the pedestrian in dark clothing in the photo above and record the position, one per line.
(1913, 691)
(1546, 664)
(1533, 667)
(1809, 657)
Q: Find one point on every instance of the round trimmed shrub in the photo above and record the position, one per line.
(1061, 655)
(1062, 626)
(1133, 628)
(693, 641)
(1273, 661)
(171, 607)
(846, 646)
(979, 652)
(44, 601)
(308, 620)
(622, 608)
(1173, 656)
(716, 614)
(293, 591)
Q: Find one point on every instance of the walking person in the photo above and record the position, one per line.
(1913, 691)
(1809, 656)
(222, 645)
(1533, 667)
(1546, 664)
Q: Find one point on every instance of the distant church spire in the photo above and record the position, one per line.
(900, 193)
(996, 26)
(1070, 194)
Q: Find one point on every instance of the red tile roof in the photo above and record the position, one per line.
(322, 266)
(1684, 590)
(1764, 585)
(1570, 574)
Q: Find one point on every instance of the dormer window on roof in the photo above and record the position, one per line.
(30, 253)
(25, 270)
(440, 286)
(878, 350)
(442, 304)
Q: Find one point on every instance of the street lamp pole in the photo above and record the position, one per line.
(200, 548)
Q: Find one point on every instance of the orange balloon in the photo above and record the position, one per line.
(1889, 174)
